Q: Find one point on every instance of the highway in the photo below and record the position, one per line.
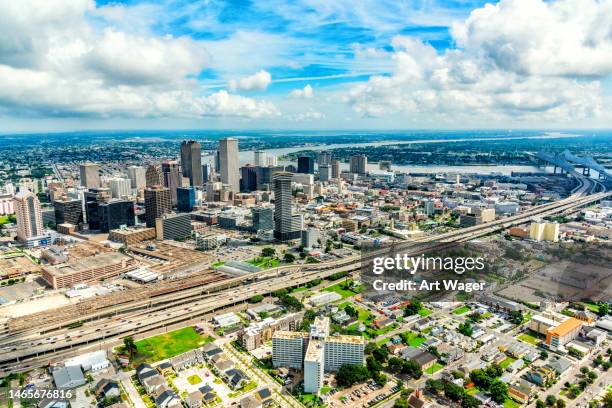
(31, 347)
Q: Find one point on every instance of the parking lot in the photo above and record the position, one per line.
(362, 395)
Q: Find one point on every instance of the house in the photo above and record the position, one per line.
(236, 378)
(450, 354)
(264, 395)
(52, 403)
(422, 324)
(416, 400)
(395, 349)
(211, 352)
(168, 399)
(68, 377)
(209, 397)
(94, 361)
(107, 388)
(521, 391)
(194, 399)
(540, 375)
(516, 365)
(145, 371)
(382, 322)
(154, 383)
(425, 359)
(559, 365)
(223, 366)
(165, 368)
(250, 402)
(188, 359)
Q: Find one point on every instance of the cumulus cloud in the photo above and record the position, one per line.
(304, 93)
(55, 60)
(500, 70)
(259, 81)
(306, 116)
(535, 37)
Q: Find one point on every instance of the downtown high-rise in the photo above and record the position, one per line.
(229, 164)
(191, 162)
(284, 225)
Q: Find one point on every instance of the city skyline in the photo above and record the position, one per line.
(279, 65)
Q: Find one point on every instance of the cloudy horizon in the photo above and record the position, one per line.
(305, 64)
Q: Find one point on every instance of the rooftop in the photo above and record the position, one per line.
(566, 327)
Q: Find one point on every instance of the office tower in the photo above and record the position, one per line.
(157, 202)
(217, 161)
(228, 161)
(93, 198)
(137, 176)
(191, 161)
(283, 220)
(335, 169)
(173, 226)
(263, 218)
(29, 217)
(265, 174)
(115, 213)
(90, 175)
(384, 165)
(68, 211)
(121, 187)
(211, 188)
(359, 164)
(261, 158)
(272, 161)
(324, 157)
(324, 172)
(205, 173)
(185, 198)
(429, 207)
(248, 181)
(305, 165)
(154, 176)
(310, 237)
(172, 177)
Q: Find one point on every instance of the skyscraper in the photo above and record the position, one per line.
(263, 218)
(68, 211)
(154, 176)
(228, 162)
(335, 169)
(137, 176)
(191, 161)
(283, 225)
(325, 157)
(172, 177)
(261, 158)
(359, 164)
(185, 198)
(205, 173)
(90, 175)
(248, 181)
(29, 217)
(120, 187)
(305, 165)
(116, 213)
(157, 203)
(324, 172)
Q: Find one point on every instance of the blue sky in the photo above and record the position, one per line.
(316, 64)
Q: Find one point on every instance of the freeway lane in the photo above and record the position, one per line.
(29, 349)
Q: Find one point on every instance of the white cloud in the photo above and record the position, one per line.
(304, 93)
(55, 60)
(534, 37)
(306, 116)
(500, 73)
(259, 81)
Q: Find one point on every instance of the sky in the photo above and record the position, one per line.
(305, 64)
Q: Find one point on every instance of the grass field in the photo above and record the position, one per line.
(168, 345)
(434, 368)
(194, 379)
(529, 337)
(414, 340)
(504, 364)
(264, 262)
(592, 307)
(461, 310)
(510, 403)
(339, 289)
(424, 312)
(218, 264)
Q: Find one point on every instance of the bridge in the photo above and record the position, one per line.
(568, 162)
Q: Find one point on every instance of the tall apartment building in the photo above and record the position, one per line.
(90, 175)
(191, 162)
(283, 220)
(154, 176)
(359, 164)
(157, 202)
(137, 176)
(29, 217)
(229, 163)
(305, 165)
(321, 352)
(121, 187)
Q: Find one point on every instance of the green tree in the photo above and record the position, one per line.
(268, 252)
(551, 400)
(515, 317)
(561, 403)
(351, 374)
(604, 309)
(540, 404)
(413, 308)
(289, 258)
(130, 346)
(498, 391)
(465, 328)
(469, 401)
(256, 299)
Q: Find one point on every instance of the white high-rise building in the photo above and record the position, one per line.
(288, 348)
(229, 163)
(261, 158)
(137, 176)
(120, 187)
(90, 175)
(272, 160)
(28, 214)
